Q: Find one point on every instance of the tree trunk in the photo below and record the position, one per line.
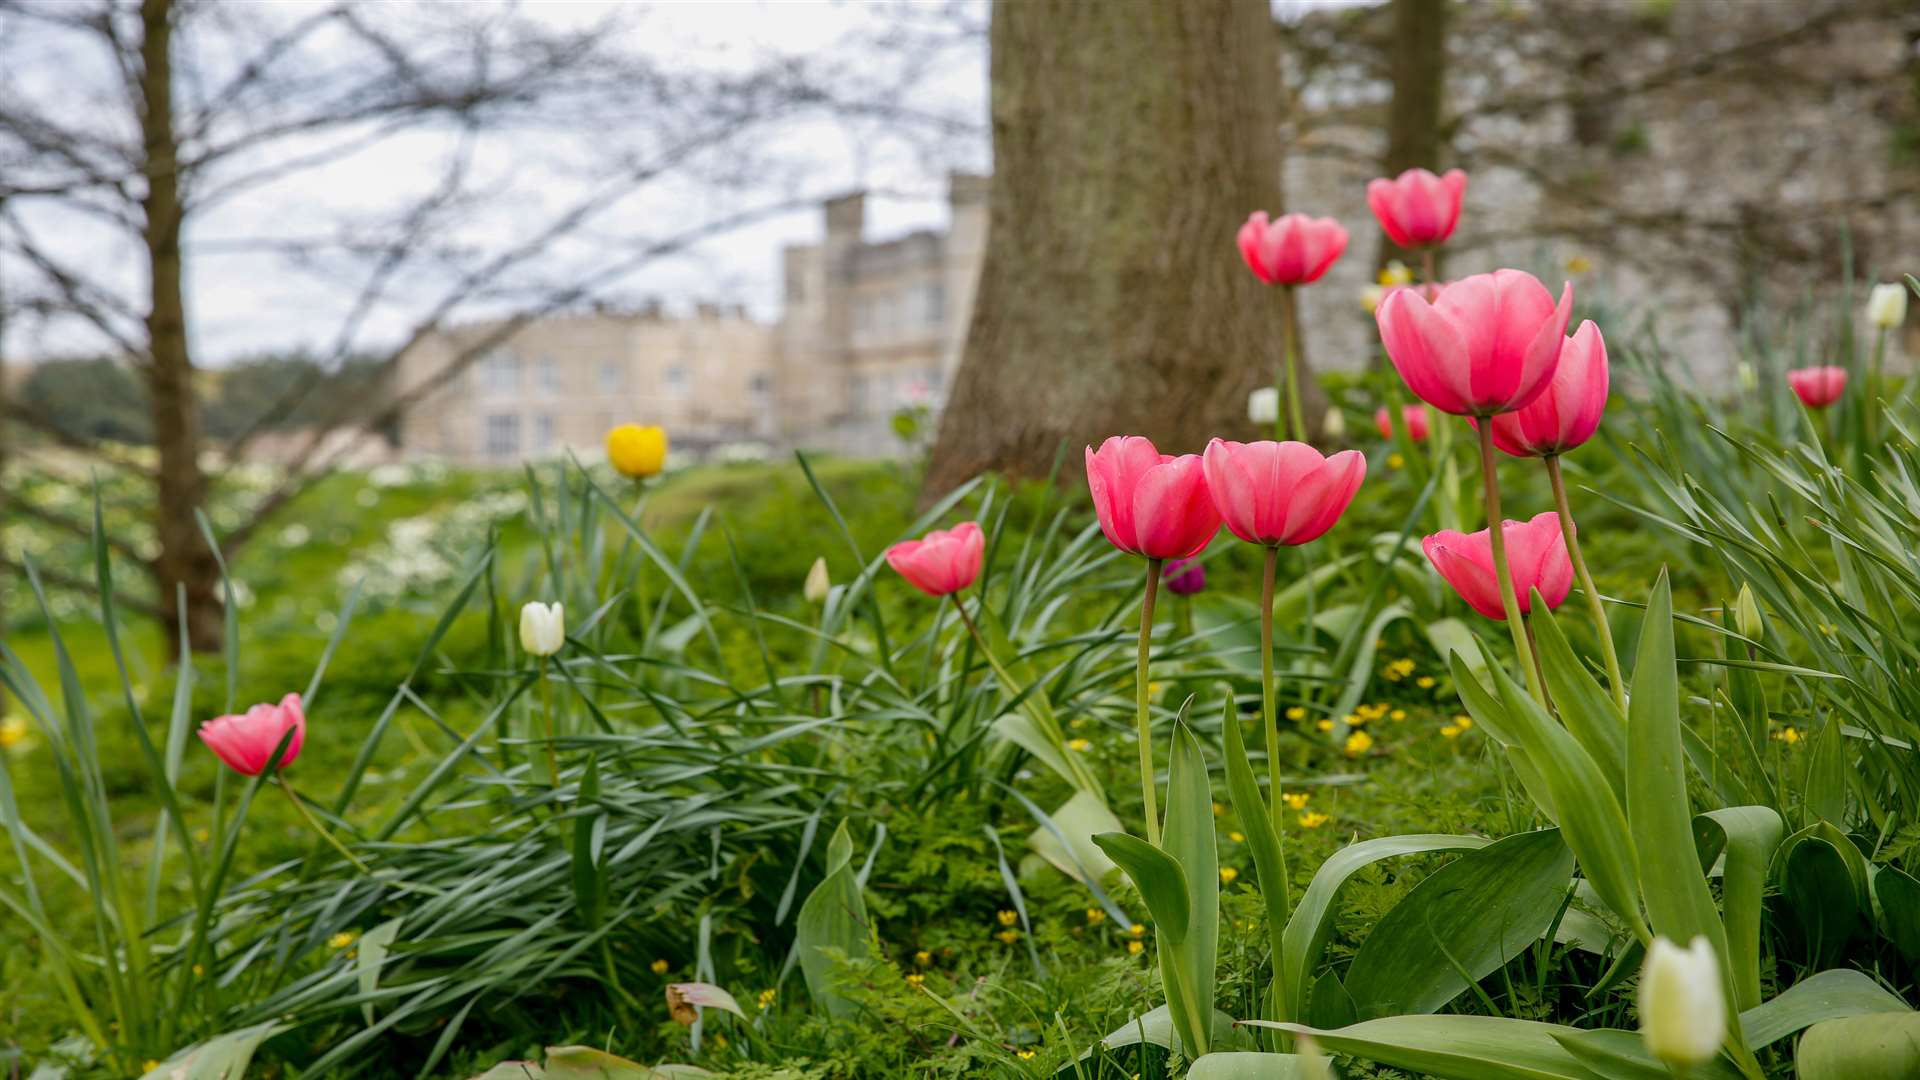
(1417, 61)
(1130, 142)
(185, 563)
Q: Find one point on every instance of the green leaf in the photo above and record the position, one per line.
(1159, 879)
(370, 954)
(1312, 922)
(1155, 1028)
(1820, 893)
(1077, 820)
(588, 875)
(1584, 706)
(1330, 1006)
(1474, 914)
(1897, 907)
(1491, 715)
(1269, 859)
(833, 917)
(1679, 905)
(1860, 1048)
(1622, 1055)
(1828, 995)
(222, 1057)
(1591, 820)
(1748, 835)
(1189, 839)
(1456, 1047)
(1826, 792)
(1246, 1065)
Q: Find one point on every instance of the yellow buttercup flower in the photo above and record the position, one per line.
(1219, 809)
(767, 996)
(1325, 725)
(1135, 948)
(1095, 916)
(1357, 719)
(1451, 731)
(1008, 918)
(1297, 713)
(637, 451)
(1296, 800)
(1228, 875)
(1424, 682)
(1465, 722)
(342, 939)
(660, 967)
(1396, 461)
(916, 980)
(1237, 837)
(1359, 743)
(1396, 273)
(1081, 745)
(1024, 1055)
(1790, 736)
(13, 731)
(1137, 930)
(924, 958)
(1312, 819)
(1397, 714)
(1008, 936)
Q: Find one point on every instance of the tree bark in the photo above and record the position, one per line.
(1417, 62)
(185, 564)
(1130, 142)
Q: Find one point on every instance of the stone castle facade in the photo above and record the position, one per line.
(867, 328)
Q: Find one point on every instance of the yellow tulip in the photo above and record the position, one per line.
(637, 451)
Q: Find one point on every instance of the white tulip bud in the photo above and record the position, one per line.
(1334, 426)
(543, 628)
(1683, 1009)
(818, 583)
(1887, 306)
(1746, 614)
(1263, 405)
(1749, 378)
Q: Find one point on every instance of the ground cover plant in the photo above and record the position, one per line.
(1220, 765)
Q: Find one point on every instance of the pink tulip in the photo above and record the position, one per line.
(1418, 426)
(944, 561)
(1569, 412)
(245, 742)
(1150, 503)
(1536, 554)
(1818, 387)
(1488, 345)
(1418, 208)
(1281, 492)
(1294, 250)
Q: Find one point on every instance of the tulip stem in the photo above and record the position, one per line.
(1426, 266)
(1873, 387)
(1594, 606)
(546, 706)
(1141, 719)
(1289, 337)
(315, 825)
(1503, 573)
(1270, 709)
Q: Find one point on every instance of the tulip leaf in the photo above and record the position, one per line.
(1679, 905)
(1312, 922)
(1247, 1065)
(1826, 790)
(1827, 995)
(1586, 709)
(1622, 1055)
(1065, 839)
(1491, 715)
(1159, 880)
(1820, 893)
(1462, 923)
(589, 835)
(1591, 820)
(1748, 835)
(1460, 1047)
(1152, 1028)
(1269, 859)
(1329, 1005)
(370, 954)
(834, 917)
(1860, 1048)
(1897, 907)
(1189, 839)
(223, 1056)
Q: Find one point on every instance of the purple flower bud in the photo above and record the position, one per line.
(1184, 577)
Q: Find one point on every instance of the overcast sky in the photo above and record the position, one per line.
(245, 300)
